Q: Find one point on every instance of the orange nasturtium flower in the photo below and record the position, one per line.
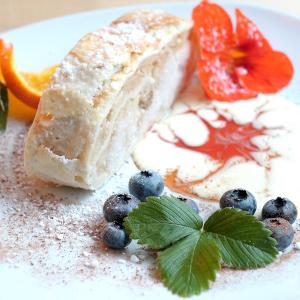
(236, 65)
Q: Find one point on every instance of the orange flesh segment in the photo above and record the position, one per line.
(18, 110)
(39, 81)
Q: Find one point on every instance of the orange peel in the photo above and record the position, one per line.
(26, 87)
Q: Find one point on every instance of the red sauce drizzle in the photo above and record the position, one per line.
(223, 143)
(226, 142)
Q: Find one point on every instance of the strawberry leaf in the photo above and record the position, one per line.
(3, 106)
(162, 221)
(193, 254)
(187, 267)
(243, 241)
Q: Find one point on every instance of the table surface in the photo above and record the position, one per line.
(15, 13)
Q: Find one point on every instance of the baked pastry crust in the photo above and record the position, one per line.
(105, 94)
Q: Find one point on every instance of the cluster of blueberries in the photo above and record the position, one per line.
(117, 207)
(277, 214)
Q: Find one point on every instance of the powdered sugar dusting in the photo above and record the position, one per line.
(220, 78)
(112, 52)
(54, 234)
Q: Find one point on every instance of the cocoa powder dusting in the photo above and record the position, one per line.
(56, 232)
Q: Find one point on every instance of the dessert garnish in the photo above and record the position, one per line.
(27, 87)
(117, 207)
(115, 237)
(146, 183)
(3, 106)
(191, 252)
(236, 65)
(239, 198)
(282, 232)
(280, 208)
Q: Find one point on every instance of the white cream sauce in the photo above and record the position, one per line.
(265, 176)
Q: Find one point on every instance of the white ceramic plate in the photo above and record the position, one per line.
(43, 44)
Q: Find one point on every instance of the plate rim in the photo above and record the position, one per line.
(260, 7)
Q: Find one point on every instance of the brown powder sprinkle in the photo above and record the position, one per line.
(56, 231)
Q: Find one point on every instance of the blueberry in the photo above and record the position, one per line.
(239, 198)
(117, 207)
(191, 203)
(282, 232)
(280, 208)
(115, 237)
(145, 184)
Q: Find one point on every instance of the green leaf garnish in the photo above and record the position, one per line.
(162, 221)
(187, 267)
(244, 242)
(3, 106)
(194, 254)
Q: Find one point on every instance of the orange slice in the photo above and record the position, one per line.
(27, 87)
(39, 81)
(18, 110)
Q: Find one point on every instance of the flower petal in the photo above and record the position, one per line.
(268, 72)
(213, 27)
(248, 35)
(239, 65)
(219, 79)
